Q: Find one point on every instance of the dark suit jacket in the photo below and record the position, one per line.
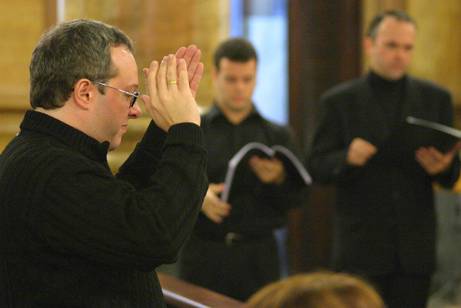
(384, 210)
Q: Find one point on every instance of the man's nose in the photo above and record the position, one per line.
(135, 111)
(402, 53)
(240, 85)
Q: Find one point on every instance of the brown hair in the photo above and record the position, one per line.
(317, 290)
(236, 50)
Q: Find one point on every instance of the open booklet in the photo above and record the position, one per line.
(415, 133)
(428, 133)
(289, 160)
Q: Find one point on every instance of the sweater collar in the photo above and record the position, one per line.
(380, 83)
(215, 113)
(77, 140)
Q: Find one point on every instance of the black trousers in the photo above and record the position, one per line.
(403, 290)
(237, 270)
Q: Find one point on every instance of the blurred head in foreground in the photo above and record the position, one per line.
(317, 290)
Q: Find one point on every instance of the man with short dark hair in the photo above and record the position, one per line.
(232, 249)
(385, 218)
(71, 233)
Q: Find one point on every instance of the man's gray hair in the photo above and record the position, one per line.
(71, 51)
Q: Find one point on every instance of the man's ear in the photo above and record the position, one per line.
(367, 44)
(214, 73)
(84, 93)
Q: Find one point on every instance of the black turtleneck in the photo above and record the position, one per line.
(389, 94)
(74, 235)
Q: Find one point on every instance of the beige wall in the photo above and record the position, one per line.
(438, 43)
(157, 27)
(21, 24)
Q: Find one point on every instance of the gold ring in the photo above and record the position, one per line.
(171, 82)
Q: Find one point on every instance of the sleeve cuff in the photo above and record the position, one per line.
(155, 133)
(185, 133)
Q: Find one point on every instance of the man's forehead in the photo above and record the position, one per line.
(228, 64)
(120, 52)
(125, 64)
(390, 23)
(238, 62)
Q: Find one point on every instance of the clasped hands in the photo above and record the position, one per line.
(430, 159)
(172, 85)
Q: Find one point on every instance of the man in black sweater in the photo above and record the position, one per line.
(71, 233)
(385, 218)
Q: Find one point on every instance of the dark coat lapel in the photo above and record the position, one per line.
(374, 129)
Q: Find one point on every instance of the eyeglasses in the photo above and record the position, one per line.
(134, 95)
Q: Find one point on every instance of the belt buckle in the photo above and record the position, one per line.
(231, 237)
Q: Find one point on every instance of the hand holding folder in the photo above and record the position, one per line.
(290, 161)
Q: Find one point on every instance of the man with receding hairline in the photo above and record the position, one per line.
(385, 217)
(71, 233)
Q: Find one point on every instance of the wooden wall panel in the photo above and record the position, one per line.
(21, 24)
(324, 50)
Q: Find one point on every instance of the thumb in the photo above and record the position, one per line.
(217, 188)
(145, 98)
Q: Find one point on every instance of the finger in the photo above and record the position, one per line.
(194, 62)
(221, 210)
(183, 81)
(189, 54)
(369, 149)
(196, 78)
(151, 73)
(171, 72)
(217, 188)
(421, 162)
(423, 158)
(435, 153)
(268, 165)
(146, 102)
(372, 150)
(180, 52)
(215, 218)
(145, 98)
(257, 158)
(152, 111)
(161, 76)
(254, 163)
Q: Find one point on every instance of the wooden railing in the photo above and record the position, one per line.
(179, 293)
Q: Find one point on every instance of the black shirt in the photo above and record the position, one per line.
(257, 208)
(389, 94)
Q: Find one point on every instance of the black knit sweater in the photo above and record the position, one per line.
(74, 235)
